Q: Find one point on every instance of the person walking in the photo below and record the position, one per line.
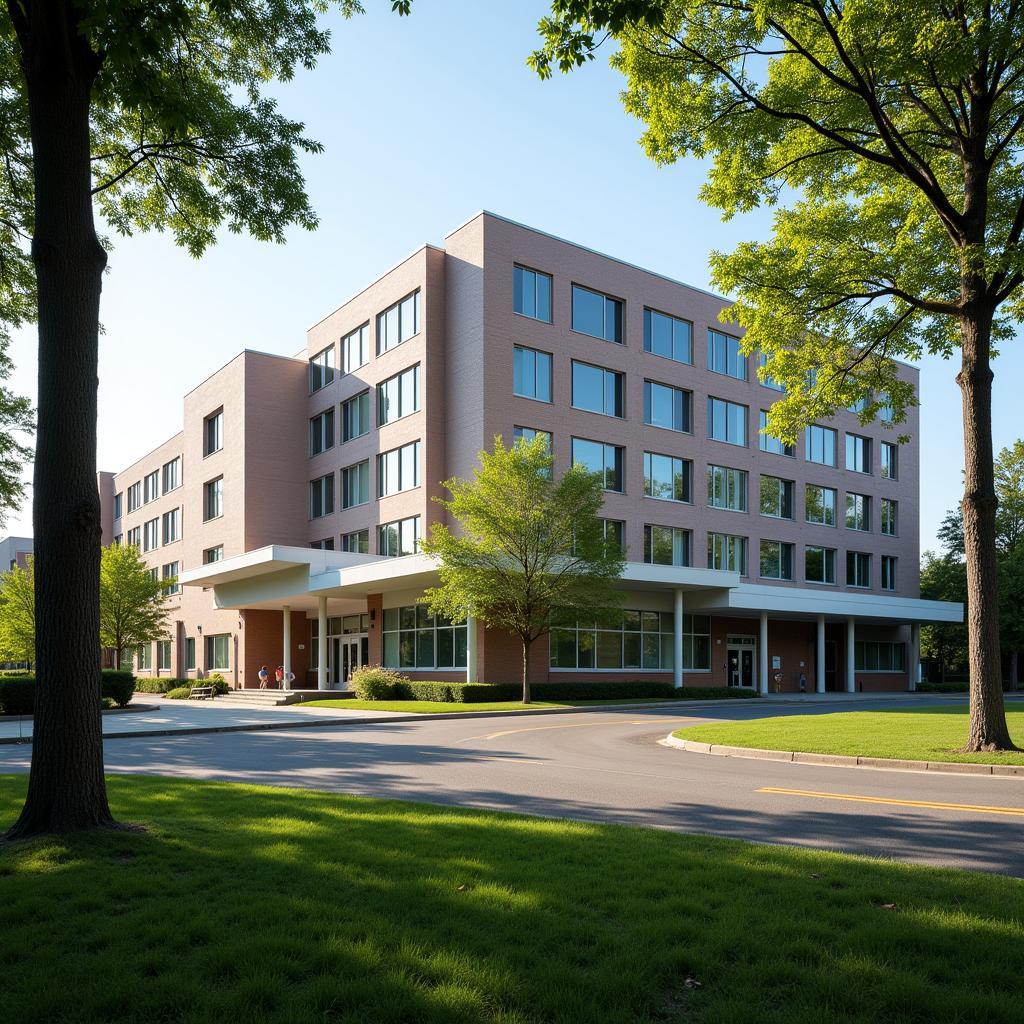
(279, 676)
(264, 677)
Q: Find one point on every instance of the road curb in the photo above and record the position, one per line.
(843, 760)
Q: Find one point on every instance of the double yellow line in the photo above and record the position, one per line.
(1017, 812)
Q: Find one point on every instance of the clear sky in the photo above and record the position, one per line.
(426, 120)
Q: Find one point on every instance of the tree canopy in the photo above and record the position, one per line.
(18, 614)
(133, 601)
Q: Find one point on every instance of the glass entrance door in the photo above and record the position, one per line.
(741, 657)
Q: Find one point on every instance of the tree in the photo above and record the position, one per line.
(18, 614)
(157, 115)
(133, 602)
(944, 578)
(527, 545)
(888, 138)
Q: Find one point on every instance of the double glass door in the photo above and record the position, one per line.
(740, 663)
(345, 655)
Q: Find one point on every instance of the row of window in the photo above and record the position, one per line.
(218, 654)
(150, 487)
(397, 470)
(401, 537)
(161, 530)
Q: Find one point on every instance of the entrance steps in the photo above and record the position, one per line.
(278, 698)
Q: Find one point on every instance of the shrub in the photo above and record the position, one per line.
(372, 682)
(953, 687)
(157, 684)
(17, 695)
(118, 686)
(218, 682)
(179, 693)
(459, 693)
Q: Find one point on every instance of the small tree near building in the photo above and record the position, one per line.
(527, 544)
(133, 604)
(18, 614)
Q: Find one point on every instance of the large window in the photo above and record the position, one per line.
(134, 496)
(169, 572)
(528, 434)
(355, 349)
(413, 638)
(727, 421)
(134, 537)
(190, 654)
(773, 444)
(171, 527)
(888, 572)
(398, 469)
(667, 407)
(214, 554)
(819, 565)
(150, 486)
(398, 396)
(151, 534)
(597, 390)
(357, 541)
(355, 416)
(820, 505)
(595, 314)
(878, 656)
(724, 355)
(858, 512)
(614, 534)
(163, 655)
(321, 496)
(531, 374)
(144, 658)
(889, 517)
(218, 656)
(321, 432)
(887, 457)
(858, 569)
(398, 323)
(727, 552)
(213, 499)
(355, 484)
(401, 537)
(213, 432)
(628, 639)
(321, 369)
(776, 498)
(172, 474)
(821, 445)
(117, 505)
(727, 488)
(606, 459)
(327, 544)
(776, 560)
(667, 477)
(858, 453)
(668, 336)
(666, 545)
(531, 293)
(768, 382)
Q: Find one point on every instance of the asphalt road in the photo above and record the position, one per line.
(609, 766)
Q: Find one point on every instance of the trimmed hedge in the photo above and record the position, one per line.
(17, 693)
(157, 684)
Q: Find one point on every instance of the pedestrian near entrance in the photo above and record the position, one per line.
(264, 677)
(279, 676)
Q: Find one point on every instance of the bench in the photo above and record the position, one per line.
(202, 692)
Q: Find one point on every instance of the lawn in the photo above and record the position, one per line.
(929, 734)
(430, 707)
(242, 903)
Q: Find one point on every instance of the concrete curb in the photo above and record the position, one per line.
(844, 760)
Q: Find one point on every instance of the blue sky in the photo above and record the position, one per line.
(426, 120)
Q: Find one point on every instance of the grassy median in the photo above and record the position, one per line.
(242, 903)
(927, 734)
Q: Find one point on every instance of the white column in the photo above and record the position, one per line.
(915, 654)
(819, 668)
(762, 676)
(851, 670)
(471, 673)
(286, 637)
(677, 638)
(321, 645)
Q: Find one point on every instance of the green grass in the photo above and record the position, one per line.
(429, 707)
(244, 903)
(928, 734)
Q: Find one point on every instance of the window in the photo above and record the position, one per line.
(766, 381)
(321, 369)
(529, 433)
(724, 355)
(190, 654)
(887, 456)
(398, 469)
(878, 656)
(727, 421)
(858, 453)
(820, 505)
(628, 639)
(217, 652)
(398, 323)
(171, 525)
(531, 374)
(776, 497)
(134, 496)
(667, 407)
(614, 534)
(887, 412)
(858, 512)
(118, 539)
(153, 574)
(151, 534)
(773, 444)
(172, 474)
(858, 569)
(398, 396)
(606, 459)
(213, 499)
(321, 432)
(150, 486)
(135, 537)
(595, 314)
(213, 554)
(727, 488)
(666, 545)
(861, 403)
(819, 565)
(355, 416)
(776, 560)
(531, 293)
(213, 432)
(357, 541)
(413, 638)
(889, 517)
(327, 544)
(888, 572)
(597, 390)
(144, 657)
(321, 496)
(666, 336)
(399, 538)
(355, 484)
(170, 572)
(355, 349)
(727, 552)
(667, 477)
(117, 505)
(821, 445)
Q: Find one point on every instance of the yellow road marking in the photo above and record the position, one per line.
(935, 804)
(572, 725)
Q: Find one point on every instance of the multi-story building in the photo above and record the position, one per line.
(292, 504)
(15, 551)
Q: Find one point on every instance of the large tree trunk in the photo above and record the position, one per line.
(67, 791)
(526, 678)
(988, 729)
